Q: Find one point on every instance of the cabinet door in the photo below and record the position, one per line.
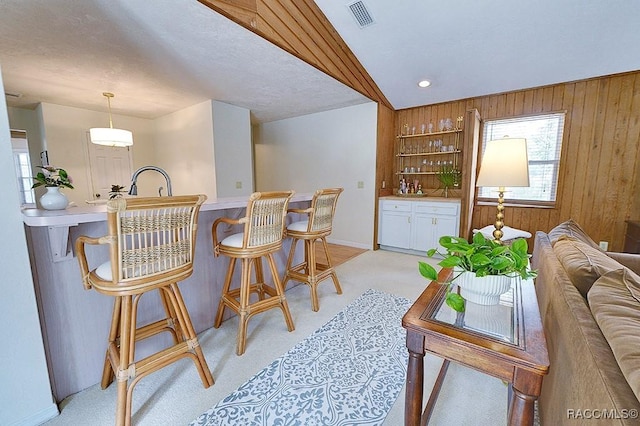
(445, 225)
(422, 238)
(395, 229)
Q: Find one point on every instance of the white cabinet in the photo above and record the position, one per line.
(395, 223)
(416, 225)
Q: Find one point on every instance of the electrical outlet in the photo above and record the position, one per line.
(604, 245)
(238, 185)
(360, 184)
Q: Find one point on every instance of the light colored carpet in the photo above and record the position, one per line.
(175, 396)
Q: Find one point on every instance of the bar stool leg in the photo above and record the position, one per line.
(334, 276)
(284, 306)
(182, 316)
(122, 377)
(225, 290)
(310, 258)
(292, 251)
(244, 312)
(114, 331)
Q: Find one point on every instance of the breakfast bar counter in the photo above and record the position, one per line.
(75, 322)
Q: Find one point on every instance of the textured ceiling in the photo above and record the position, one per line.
(156, 57)
(162, 56)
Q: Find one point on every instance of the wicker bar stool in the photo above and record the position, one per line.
(263, 230)
(316, 227)
(151, 247)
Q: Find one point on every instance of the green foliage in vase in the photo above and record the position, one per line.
(52, 177)
(117, 191)
(449, 177)
(481, 256)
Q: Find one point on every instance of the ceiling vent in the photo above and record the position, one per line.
(360, 13)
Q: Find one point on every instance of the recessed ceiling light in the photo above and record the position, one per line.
(424, 83)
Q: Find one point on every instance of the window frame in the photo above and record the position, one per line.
(521, 202)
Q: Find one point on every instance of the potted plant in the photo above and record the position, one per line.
(117, 191)
(449, 177)
(53, 178)
(481, 259)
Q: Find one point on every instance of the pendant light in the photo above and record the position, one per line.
(108, 135)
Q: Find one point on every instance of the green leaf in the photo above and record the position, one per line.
(520, 246)
(478, 238)
(428, 271)
(501, 263)
(455, 302)
(431, 252)
(480, 259)
(450, 262)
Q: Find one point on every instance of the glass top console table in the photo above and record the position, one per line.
(505, 341)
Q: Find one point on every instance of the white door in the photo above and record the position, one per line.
(109, 166)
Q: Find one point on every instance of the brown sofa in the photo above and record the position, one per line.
(590, 307)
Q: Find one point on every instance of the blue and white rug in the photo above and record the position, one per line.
(348, 372)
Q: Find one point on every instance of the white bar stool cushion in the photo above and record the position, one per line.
(234, 240)
(300, 226)
(104, 271)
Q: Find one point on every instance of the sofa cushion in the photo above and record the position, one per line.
(617, 313)
(571, 229)
(583, 263)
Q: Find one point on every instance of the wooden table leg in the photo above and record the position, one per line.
(415, 379)
(526, 388)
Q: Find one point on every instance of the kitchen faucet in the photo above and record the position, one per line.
(134, 188)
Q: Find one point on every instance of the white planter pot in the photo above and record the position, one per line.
(53, 199)
(483, 290)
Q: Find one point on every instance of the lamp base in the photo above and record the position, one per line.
(497, 233)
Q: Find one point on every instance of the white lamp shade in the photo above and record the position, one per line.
(111, 137)
(504, 163)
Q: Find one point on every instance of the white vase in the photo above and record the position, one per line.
(53, 199)
(483, 290)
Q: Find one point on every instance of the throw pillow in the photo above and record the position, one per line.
(572, 229)
(617, 313)
(583, 263)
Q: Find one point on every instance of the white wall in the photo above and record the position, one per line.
(234, 154)
(25, 391)
(327, 149)
(65, 137)
(183, 147)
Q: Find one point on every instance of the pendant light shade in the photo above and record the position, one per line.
(108, 135)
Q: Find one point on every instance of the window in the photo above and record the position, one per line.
(22, 164)
(544, 144)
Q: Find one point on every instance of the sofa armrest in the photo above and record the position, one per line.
(631, 261)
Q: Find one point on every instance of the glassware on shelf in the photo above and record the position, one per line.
(441, 124)
(422, 128)
(448, 124)
(430, 127)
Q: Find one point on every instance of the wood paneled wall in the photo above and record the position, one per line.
(599, 181)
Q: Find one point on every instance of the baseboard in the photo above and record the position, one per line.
(349, 244)
(402, 250)
(40, 417)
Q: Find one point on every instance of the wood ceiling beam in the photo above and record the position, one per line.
(300, 28)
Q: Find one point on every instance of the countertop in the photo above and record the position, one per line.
(419, 198)
(74, 215)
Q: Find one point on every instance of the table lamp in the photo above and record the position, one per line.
(504, 164)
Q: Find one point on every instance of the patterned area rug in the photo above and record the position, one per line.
(348, 372)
